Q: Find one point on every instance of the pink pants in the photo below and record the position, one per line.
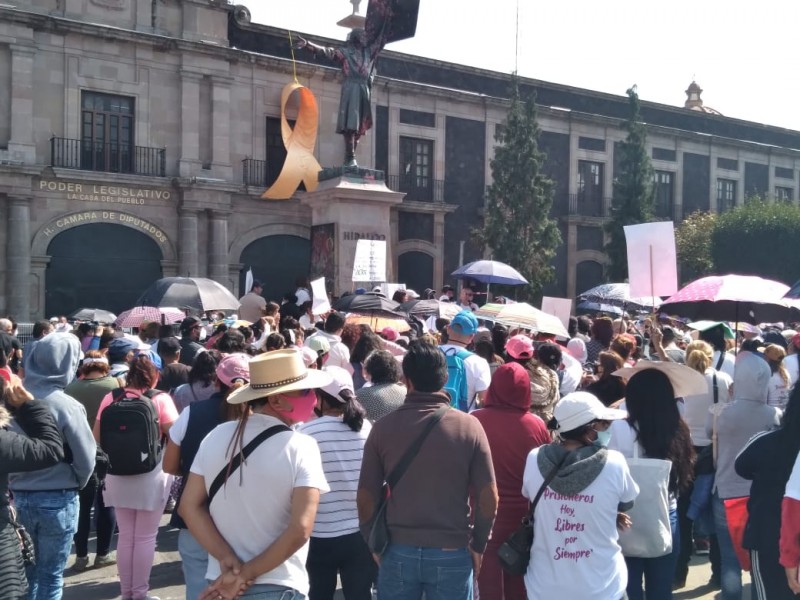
(136, 549)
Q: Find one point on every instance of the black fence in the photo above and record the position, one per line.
(417, 189)
(109, 157)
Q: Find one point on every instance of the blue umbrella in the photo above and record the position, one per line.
(490, 271)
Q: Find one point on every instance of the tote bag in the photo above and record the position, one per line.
(650, 535)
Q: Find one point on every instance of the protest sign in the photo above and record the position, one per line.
(652, 265)
(320, 303)
(558, 307)
(370, 261)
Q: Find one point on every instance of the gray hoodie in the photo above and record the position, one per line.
(51, 366)
(741, 419)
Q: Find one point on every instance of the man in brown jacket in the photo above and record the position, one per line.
(437, 539)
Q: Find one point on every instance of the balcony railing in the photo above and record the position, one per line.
(91, 155)
(431, 191)
(589, 206)
(254, 172)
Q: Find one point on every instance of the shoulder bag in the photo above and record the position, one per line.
(515, 553)
(26, 547)
(707, 457)
(378, 539)
(262, 437)
(650, 534)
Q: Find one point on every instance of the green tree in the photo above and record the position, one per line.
(634, 194)
(693, 241)
(759, 238)
(518, 228)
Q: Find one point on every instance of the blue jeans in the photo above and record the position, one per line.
(267, 591)
(657, 572)
(731, 570)
(194, 562)
(406, 572)
(52, 519)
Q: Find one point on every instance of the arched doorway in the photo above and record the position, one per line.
(588, 274)
(276, 260)
(99, 265)
(415, 269)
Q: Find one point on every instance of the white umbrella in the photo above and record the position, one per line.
(524, 315)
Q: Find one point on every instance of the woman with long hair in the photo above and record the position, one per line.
(700, 357)
(194, 423)
(512, 432)
(201, 380)
(139, 500)
(655, 424)
(337, 547)
(767, 461)
(93, 384)
(367, 343)
(256, 523)
(602, 334)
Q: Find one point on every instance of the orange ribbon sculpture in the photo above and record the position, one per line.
(300, 164)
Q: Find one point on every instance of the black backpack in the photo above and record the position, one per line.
(130, 434)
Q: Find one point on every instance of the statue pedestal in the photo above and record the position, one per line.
(350, 203)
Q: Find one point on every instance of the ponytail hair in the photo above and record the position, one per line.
(699, 355)
(353, 413)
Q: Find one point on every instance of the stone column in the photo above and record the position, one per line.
(218, 269)
(438, 241)
(190, 122)
(18, 257)
(187, 243)
(221, 126)
(21, 139)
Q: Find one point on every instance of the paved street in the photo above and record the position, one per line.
(167, 579)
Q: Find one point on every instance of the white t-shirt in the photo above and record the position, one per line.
(696, 407)
(573, 373)
(178, 430)
(479, 375)
(778, 391)
(252, 514)
(623, 438)
(342, 450)
(302, 296)
(306, 322)
(471, 306)
(728, 363)
(575, 552)
(793, 366)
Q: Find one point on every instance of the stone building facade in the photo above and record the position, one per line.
(136, 138)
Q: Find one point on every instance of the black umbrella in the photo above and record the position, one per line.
(429, 308)
(194, 293)
(96, 315)
(366, 304)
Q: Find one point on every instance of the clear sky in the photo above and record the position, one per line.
(743, 54)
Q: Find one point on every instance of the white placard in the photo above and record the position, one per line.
(320, 303)
(370, 262)
(388, 289)
(652, 263)
(558, 307)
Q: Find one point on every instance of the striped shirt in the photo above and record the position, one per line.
(342, 450)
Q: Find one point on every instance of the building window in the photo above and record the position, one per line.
(729, 164)
(595, 144)
(664, 193)
(726, 194)
(107, 132)
(664, 154)
(784, 194)
(590, 188)
(416, 169)
(784, 173)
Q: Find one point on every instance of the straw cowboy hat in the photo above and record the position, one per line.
(278, 372)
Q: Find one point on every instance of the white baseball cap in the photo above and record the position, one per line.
(581, 408)
(342, 380)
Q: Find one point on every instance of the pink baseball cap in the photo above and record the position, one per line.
(390, 333)
(233, 368)
(520, 347)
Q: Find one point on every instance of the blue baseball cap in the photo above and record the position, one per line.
(464, 323)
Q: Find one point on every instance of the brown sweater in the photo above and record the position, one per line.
(430, 505)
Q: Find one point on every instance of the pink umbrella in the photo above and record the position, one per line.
(731, 298)
(139, 314)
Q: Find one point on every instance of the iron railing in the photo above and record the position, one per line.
(417, 189)
(254, 172)
(589, 206)
(110, 157)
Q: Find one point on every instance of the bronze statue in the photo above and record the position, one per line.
(357, 60)
(387, 21)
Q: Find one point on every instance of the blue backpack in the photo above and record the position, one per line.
(456, 384)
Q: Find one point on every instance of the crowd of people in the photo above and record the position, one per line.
(296, 450)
